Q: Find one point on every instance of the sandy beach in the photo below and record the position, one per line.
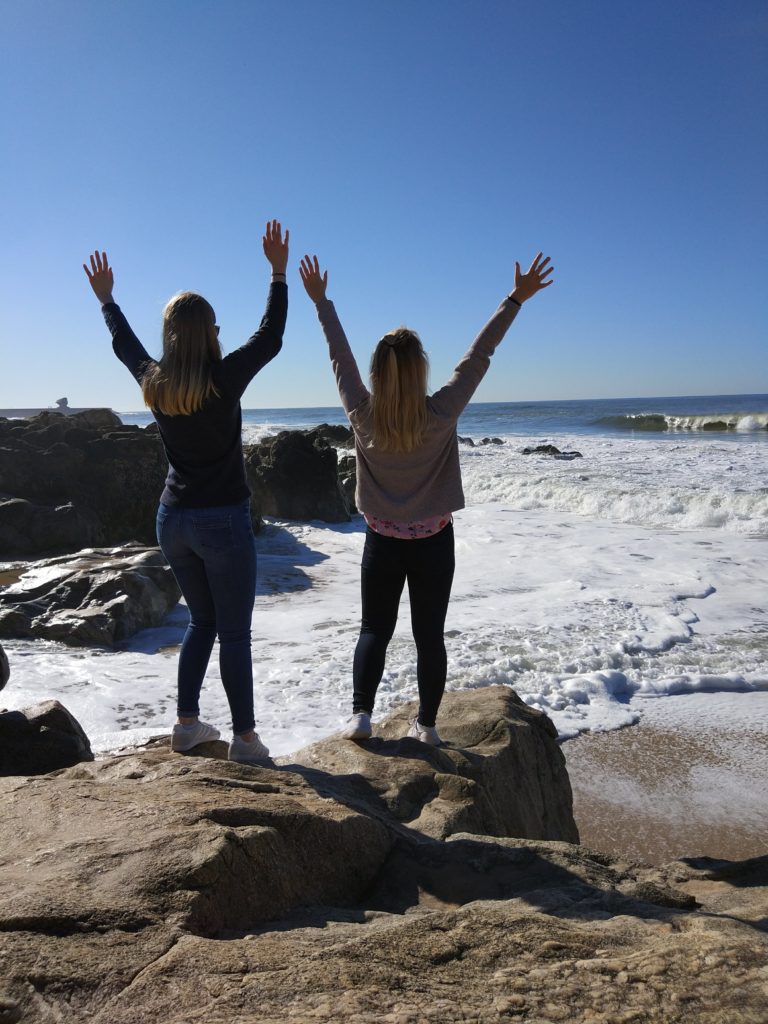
(689, 780)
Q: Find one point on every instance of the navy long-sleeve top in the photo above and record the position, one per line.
(204, 448)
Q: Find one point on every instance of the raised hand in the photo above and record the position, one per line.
(527, 284)
(275, 249)
(101, 277)
(314, 282)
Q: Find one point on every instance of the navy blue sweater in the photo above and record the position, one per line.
(205, 449)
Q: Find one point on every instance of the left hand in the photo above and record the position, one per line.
(101, 277)
(315, 283)
(275, 249)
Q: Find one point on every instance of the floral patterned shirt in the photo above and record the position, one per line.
(408, 531)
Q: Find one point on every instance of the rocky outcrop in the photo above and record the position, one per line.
(96, 597)
(71, 481)
(41, 739)
(500, 772)
(5, 668)
(67, 481)
(123, 877)
(334, 434)
(293, 476)
(551, 449)
(156, 886)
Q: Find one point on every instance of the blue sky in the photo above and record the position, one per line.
(419, 149)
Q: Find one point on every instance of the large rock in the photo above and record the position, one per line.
(293, 477)
(500, 773)
(82, 479)
(202, 843)
(122, 878)
(67, 481)
(97, 597)
(5, 668)
(41, 739)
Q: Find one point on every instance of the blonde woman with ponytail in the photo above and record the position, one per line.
(408, 485)
(204, 521)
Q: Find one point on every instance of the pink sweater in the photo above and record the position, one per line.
(410, 486)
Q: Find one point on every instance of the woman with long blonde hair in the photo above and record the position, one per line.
(408, 485)
(204, 522)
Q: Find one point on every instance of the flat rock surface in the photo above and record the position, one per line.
(157, 886)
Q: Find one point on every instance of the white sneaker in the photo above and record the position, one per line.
(425, 733)
(358, 727)
(246, 751)
(184, 737)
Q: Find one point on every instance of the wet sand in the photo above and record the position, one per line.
(690, 780)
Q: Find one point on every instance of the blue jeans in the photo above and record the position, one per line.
(211, 552)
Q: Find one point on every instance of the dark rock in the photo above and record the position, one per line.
(348, 479)
(292, 478)
(550, 449)
(97, 597)
(466, 440)
(5, 668)
(41, 739)
(90, 479)
(28, 529)
(492, 440)
(335, 435)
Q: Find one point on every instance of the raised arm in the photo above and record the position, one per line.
(451, 399)
(125, 344)
(352, 391)
(241, 366)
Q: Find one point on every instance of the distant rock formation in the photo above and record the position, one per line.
(162, 887)
(550, 449)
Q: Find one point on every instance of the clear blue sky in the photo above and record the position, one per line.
(419, 148)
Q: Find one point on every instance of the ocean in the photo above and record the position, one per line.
(597, 586)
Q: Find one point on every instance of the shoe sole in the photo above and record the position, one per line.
(191, 746)
(358, 734)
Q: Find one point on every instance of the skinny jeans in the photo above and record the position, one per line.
(212, 555)
(427, 564)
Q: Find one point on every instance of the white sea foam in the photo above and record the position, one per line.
(695, 484)
(585, 618)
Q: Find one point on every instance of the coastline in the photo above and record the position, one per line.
(687, 781)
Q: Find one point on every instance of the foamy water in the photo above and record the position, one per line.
(597, 588)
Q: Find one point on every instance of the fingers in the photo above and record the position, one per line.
(90, 275)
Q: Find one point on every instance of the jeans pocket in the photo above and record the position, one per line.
(214, 534)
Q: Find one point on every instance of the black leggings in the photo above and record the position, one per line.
(428, 565)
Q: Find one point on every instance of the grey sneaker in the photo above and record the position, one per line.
(184, 737)
(358, 727)
(425, 733)
(246, 751)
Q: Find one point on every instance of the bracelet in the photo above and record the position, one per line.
(517, 302)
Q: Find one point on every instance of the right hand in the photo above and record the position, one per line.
(101, 277)
(313, 281)
(533, 280)
(275, 248)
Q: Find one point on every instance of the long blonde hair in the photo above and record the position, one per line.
(399, 369)
(181, 382)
